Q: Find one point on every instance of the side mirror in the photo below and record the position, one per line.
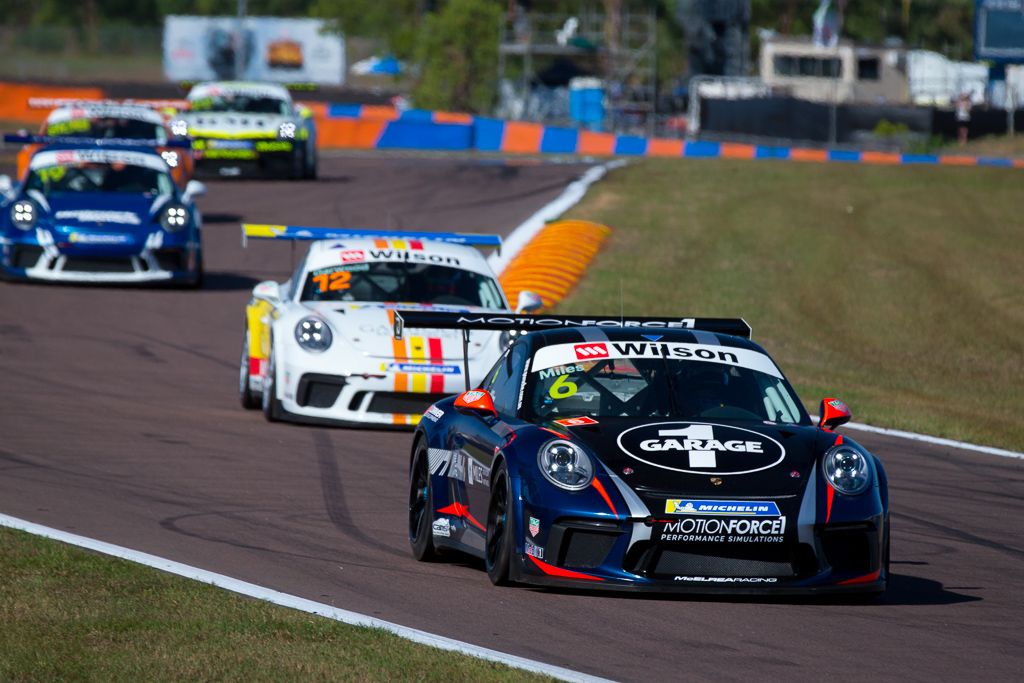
(477, 401)
(6, 185)
(833, 413)
(193, 189)
(268, 291)
(529, 302)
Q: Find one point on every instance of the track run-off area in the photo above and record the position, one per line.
(120, 421)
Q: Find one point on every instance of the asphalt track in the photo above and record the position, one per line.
(119, 420)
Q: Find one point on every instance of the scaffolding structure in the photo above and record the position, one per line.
(620, 53)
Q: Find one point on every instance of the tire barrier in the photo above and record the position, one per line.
(377, 127)
(554, 260)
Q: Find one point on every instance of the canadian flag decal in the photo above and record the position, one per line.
(588, 351)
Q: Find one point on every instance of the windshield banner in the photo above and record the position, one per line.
(569, 354)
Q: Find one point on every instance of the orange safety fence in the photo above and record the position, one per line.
(554, 260)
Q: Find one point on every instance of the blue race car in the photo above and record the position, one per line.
(644, 454)
(92, 211)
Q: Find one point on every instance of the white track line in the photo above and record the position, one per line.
(285, 600)
(529, 228)
(937, 440)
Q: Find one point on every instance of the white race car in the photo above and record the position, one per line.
(319, 347)
(238, 126)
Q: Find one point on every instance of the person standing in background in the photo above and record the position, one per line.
(963, 117)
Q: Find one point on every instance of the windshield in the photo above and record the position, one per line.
(241, 103)
(99, 177)
(109, 128)
(408, 282)
(647, 387)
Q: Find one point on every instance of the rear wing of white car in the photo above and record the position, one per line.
(18, 138)
(298, 233)
(55, 102)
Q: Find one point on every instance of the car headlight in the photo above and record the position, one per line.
(565, 465)
(286, 130)
(313, 334)
(179, 128)
(847, 470)
(170, 157)
(174, 218)
(24, 214)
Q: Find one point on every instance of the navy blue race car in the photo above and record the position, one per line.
(100, 212)
(644, 454)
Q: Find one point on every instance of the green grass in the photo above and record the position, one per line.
(69, 614)
(991, 146)
(895, 288)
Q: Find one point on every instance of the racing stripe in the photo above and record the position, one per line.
(437, 357)
(401, 382)
(604, 494)
(380, 244)
(416, 245)
(418, 353)
(398, 244)
(398, 349)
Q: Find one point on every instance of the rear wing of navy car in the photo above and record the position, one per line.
(98, 142)
(467, 322)
(498, 321)
(301, 233)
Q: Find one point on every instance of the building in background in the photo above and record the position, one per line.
(844, 73)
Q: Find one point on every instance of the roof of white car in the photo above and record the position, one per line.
(85, 110)
(248, 88)
(324, 253)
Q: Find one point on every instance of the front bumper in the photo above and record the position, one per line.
(153, 262)
(604, 553)
(215, 155)
(382, 400)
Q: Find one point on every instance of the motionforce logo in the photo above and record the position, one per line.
(682, 323)
(701, 448)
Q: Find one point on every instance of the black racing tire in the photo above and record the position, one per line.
(196, 282)
(421, 506)
(297, 171)
(500, 526)
(271, 404)
(887, 551)
(249, 400)
(311, 163)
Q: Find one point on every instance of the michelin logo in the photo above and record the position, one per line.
(732, 508)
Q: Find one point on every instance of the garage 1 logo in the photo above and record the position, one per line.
(701, 448)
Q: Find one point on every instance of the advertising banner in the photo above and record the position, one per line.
(271, 49)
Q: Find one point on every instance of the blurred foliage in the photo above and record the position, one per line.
(458, 53)
(941, 25)
(944, 26)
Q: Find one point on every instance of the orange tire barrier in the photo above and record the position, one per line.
(554, 260)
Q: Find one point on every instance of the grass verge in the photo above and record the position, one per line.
(69, 614)
(896, 288)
